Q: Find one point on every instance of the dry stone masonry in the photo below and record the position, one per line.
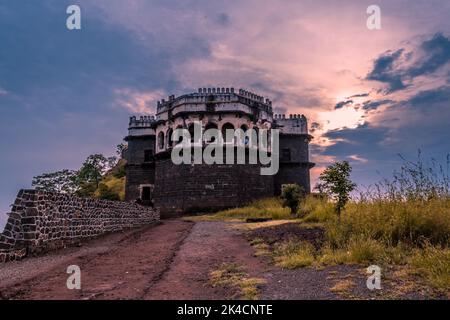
(40, 221)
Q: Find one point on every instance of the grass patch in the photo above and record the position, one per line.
(434, 265)
(232, 275)
(343, 286)
(294, 254)
(264, 208)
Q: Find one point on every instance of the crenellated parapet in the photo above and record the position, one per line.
(140, 126)
(220, 95)
(291, 124)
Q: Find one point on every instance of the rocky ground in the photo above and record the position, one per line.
(174, 260)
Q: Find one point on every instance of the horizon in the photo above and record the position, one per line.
(369, 95)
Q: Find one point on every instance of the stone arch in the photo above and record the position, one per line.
(211, 125)
(161, 140)
(169, 138)
(226, 126)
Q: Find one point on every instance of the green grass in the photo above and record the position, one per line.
(410, 233)
(294, 254)
(264, 208)
(433, 264)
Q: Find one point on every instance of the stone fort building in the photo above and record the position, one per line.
(152, 177)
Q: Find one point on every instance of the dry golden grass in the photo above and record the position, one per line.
(343, 286)
(232, 275)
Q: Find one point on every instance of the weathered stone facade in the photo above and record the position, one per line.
(41, 221)
(198, 188)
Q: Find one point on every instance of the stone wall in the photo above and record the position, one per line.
(40, 221)
(198, 188)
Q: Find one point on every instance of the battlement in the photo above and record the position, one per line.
(142, 122)
(291, 124)
(216, 95)
(289, 117)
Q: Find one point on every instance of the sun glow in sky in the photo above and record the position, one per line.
(345, 117)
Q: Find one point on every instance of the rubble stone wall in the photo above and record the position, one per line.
(41, 221)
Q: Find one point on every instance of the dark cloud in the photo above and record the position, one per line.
(429, 98)
(359, 95)
(395, 68)
(437, 54)
(384, 70)
(342, 104)
(372, 105)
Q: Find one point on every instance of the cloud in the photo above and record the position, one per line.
(384, 70)
(435, 54)
(372, 105)
(359, 95)
(341, 104)
(358, 158)
(399, 68)
(139, 102)
(428, 98)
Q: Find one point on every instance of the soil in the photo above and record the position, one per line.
(174, 260)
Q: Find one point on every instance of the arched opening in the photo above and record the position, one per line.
(211, 125)
(169, 138)
(225, 127)
(161, 140)
(245, 139)
(180, 137)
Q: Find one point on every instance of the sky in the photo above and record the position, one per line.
(369, 95)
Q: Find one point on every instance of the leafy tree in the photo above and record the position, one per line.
(64, 181)
(106, 193)
(335, 181)
(120, 148)
(93, 169)
(291, 195)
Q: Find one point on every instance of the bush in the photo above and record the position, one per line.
(105, 193)
(291, 195)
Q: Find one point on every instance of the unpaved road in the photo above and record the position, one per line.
(171, 260)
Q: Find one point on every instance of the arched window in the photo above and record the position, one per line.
(211, 125)
(161, 140)
(180, 137)
(225, 127)
(191, 131)
(169, 138)
(246, 141)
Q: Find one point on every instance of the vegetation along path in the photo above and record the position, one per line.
(180, 259)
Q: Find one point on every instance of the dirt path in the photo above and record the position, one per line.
(172, 260)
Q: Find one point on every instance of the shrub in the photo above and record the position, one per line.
(291, 195)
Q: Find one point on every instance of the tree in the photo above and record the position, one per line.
(64, 181)
(335, 181)
(106, 193)
(93, 169)
(291, 195)
(120, 148)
